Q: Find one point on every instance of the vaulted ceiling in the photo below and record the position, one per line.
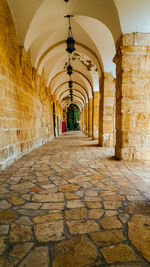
(97, 24)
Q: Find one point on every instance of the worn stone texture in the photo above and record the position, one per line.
(96, 115)
(107, 111)
(140, 235)
(133, 97)
(21, 129)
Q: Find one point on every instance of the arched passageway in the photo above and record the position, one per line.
(72, 181)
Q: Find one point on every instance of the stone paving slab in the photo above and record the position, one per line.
(70, 204)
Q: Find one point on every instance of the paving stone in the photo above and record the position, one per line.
(26, 196)
(20, 233)
(21, 187)
(4, 229)
(4, 205)
(108, 237)
(78, 251)
(92, 199)
(36, 189)
(118, 253)
(20, 250)
(50, 231)
(24, 220)
(75, 214)
(139, 234)
(96, 213)
(2, 244)
(91, 193)
(112, 205)
(6, 216)
(94, 205)
(15, 200)
(110, 213)
(82, 227)
(39, 257)
(69, 187)
(53, 206)
(113, 197)
(32, 206)
(71, 204)
(47, 218)
(71, 196)
(110, 223)
(57, 197)
(8, 262)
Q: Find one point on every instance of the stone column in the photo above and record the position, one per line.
(96, 115)
(107, 111)
(133, 97)
(85, 119)
(90, 117)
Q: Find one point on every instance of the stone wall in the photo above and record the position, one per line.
(26, 114)
(133, 97)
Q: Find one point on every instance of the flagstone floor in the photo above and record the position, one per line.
(69, 203)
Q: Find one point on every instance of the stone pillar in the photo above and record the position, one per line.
(96, 115)
(107, 111)
(90, 134)
(87, 118)
(133, 97)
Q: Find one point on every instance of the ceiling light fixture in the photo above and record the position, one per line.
(70, 41)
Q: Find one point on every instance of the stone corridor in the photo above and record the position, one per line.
(70, 204)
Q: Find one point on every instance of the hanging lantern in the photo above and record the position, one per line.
(66, 1)
(70, 84)
(69, 70)
(70, 41)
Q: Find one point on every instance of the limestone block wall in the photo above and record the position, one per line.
(96, 115)
(133, 97)
(107, 111)
(26, 114)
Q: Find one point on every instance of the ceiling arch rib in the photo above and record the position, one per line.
(76, 94)
(74, 90)
(77, 88)
(63, 77)
(67, 102)
(74, 82)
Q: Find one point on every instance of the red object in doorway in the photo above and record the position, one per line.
(63, 127)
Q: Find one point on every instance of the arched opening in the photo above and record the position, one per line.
(73, 118)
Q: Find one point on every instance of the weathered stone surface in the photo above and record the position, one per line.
(8, 262)
(75, 214)
(2, 244)
(77, 251)
(4, 205)
(21, 187)
(39, 257)
(112, 205)
(57, 197)
(110, 223)
(7, 216)
(82, 227)
(47, 218)
(96, 213)
(4, 229)
(94, 205)
(71, 196)
(107, 237)
(51, 231)
(32, 206)
(113, 197)
(121, 253)
(53, 206)
(124, 217)
(20, 250)
(72, 204)
(139, 234)
(110, 213)
(15, 200)
(68, 187)
(24, 220)
(20, 233)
